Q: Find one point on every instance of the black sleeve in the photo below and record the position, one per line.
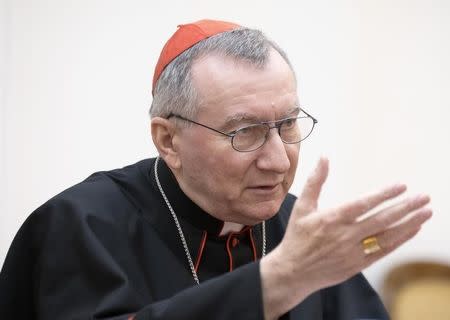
(235, 295)
(352, 300)
(58, 268)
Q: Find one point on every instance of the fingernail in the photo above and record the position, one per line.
(398, 187)
(428, 213)
(323, 160)
(422, 198)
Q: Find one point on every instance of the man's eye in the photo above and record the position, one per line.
(289, 123)
(245, 131)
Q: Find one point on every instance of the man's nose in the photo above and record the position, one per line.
(273, 156)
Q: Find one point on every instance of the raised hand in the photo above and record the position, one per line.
(324, 247)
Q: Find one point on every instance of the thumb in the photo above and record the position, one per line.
(309, 197)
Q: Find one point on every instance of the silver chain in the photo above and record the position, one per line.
(180, 231)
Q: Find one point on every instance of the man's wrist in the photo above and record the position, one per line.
(280, 283)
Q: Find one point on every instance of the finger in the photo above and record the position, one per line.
(371, 258)
(309, 197)
(379, 222)
(389, 238)
(352, 210)
(396, 236)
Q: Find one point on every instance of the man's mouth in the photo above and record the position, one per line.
(265, 187)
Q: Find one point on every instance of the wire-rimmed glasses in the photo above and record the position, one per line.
(252, 137)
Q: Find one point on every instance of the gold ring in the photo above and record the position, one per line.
(371, 245)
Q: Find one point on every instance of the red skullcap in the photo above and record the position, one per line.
(185, 37)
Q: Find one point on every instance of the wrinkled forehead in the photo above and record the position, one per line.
(226, 86)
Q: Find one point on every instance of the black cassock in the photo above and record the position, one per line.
(108, 248)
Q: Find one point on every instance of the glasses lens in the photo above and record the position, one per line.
(295, 130)
(250, 138)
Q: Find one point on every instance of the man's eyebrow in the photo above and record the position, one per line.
(240, 117)
(292, 111)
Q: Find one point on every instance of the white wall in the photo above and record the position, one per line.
(375, 73)
(4, 236)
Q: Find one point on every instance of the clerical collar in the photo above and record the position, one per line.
(185, 208)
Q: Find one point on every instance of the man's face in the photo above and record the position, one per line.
(241, 187)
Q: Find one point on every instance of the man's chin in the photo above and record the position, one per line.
(263, 211)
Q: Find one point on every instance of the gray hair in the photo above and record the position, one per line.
(174, 91)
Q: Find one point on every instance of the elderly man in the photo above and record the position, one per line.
(208, 230)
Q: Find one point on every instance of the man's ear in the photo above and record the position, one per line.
(164, 136)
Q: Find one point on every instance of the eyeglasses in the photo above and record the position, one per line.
(252, 137)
